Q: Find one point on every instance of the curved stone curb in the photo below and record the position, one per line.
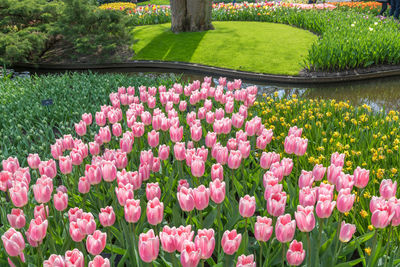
(175, 66)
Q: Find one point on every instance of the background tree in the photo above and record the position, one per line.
(191, 15)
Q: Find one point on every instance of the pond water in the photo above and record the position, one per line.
(383, 93)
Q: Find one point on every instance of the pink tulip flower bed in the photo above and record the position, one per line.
(186, 176)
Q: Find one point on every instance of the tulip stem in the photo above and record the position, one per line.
(321, 225)
(134, 242)
(111, 245)
(261, 252)
(219, 228)
(201, 219)
(174, 263)
(283, 254)
(40, 256)
(337, 253)
(309, 248)
(388, 244)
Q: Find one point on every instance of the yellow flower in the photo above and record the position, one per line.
(370, 227)
(363, 213)
(368, 251)
(367, 194)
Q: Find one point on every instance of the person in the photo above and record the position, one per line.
(384, 7)
(394, 8)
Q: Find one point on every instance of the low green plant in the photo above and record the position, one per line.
(26, 130)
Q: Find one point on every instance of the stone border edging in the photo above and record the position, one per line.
(176, 66)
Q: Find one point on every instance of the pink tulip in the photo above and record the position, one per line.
(93, 174)
(153, 138)
(43, 189)
(5, 180)
(222, 156)
(54, 261)
(41, 211)
(278, 170)
(48, 168)
(60, 201)
(163, 152)
(100, 118)
(296, 254)
(75, 232)
(105, 134)
(94, 148)
(263, 229)
(13, 242)
(16, 218)
(318, 172)
(197, 166)
(201, 196)
(205, 241)
(244, 148)
(107, 216)
(87, 118)
(276, 204)
(190, 255)
(337, 159)
(285, 228)
(387, 189)
(155, 211)
(247, 206)
(86, 223)
(230, 241)
(246, 261)
(116, 129)
(11, 164)
(65, 164)
(33, 161)
(290, 144)
(394, 204)
(74, 214)
(301, 146)
(108, 171)
(333, 173)
(99, 261)
(262, 142)
(182, 234)
(345, 200)
(180, 151)
(306, 179)
(305, 219)
(96, 243)
(186, 198)
(132, 210)
(344, 181)
(149, 246)
(267, 159)
(210, 117)
(295, 131)
(211, 139)
(19, 195)
(346, 231)
(182, 183)
(307, 196)
(324, 208)
(153, 191)
(382, 215)
(83, 185)
(182, 105)
(74, 258)
(167, 238)
(325, 190)
(234, 159)
(232, 144)
(361, 177)
(217, 191)
(80, 128)
(37, 229)
(124, 192)
(196, 132)
(176, 133)
(217, 171)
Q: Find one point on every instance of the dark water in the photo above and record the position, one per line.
(382, 93)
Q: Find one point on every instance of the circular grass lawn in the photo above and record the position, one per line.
(247, 46)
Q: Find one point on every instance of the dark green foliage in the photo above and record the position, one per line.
(92, 30)
(25, 27)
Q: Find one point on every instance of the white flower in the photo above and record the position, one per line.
(376, 23)
(371, 29)
(352, 25)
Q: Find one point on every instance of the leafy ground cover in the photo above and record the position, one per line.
(258, 50)
(24, 130)
(249, 190)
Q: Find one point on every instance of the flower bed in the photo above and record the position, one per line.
(187, 166)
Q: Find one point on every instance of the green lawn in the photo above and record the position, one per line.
(154, 2)
(248, 46)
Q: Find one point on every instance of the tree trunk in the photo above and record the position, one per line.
(191, 15)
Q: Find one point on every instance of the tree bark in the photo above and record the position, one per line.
(191, 15)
